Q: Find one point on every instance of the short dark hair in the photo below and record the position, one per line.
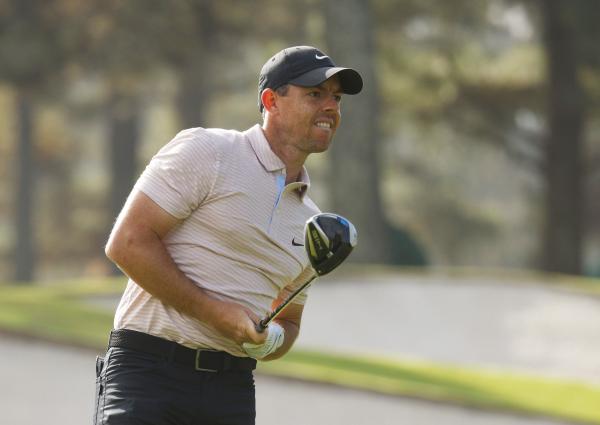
(281, 91)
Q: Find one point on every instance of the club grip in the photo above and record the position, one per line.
(261, 326)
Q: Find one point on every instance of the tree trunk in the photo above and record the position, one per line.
(197, 72)
(562, 237)
(124, 139)
(354, 165)
(24, 244)
(193, 96)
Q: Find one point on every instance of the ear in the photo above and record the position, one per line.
(268, 97)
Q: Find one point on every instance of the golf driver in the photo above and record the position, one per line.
(328, 240)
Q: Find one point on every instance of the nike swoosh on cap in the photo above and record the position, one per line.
(320, 57)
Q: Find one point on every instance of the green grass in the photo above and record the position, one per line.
(444, 383)
(57, 312)
(63, 313)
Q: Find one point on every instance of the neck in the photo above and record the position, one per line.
(292, 157)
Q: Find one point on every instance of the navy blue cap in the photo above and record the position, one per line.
(305, 66)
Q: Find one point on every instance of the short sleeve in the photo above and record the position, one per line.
(182, 174)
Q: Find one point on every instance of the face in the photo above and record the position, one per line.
(309, 116)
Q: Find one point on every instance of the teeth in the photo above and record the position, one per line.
(323, 124)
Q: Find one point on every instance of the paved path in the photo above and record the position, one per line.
(526, 327)
(53, 385)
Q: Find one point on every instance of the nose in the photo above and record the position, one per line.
(331, 103)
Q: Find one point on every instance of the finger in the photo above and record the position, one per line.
(255, 336)
(260, 327)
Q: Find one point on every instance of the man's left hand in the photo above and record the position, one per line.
(274, 340)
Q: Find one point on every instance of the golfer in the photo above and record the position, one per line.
(211, 239)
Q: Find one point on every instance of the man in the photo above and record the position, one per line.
(209, 238)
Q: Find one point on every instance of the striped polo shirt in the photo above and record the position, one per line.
(239, 219)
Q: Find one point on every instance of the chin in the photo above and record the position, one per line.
(324, 141)
(321, 146)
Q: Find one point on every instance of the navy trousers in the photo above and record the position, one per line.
(139, 388)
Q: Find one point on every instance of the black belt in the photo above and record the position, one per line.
(203, 360)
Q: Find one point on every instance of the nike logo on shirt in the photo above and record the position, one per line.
(296, 243)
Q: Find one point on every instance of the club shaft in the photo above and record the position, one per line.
(262, 325)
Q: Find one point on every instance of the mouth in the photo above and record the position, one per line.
(324, 124)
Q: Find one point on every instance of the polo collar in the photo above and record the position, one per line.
(270, 161)
(262, 149)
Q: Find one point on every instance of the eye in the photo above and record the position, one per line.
(314, 93)
(337, 98)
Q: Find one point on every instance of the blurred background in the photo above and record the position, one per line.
(475, 144)
(476, 141)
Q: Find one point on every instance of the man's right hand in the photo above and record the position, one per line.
(236, 323)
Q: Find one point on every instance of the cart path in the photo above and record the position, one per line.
(526, 327)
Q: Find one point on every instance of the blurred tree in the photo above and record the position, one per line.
(355, 163)
(191, 51)
(209, 39)
(123, 51)
(475, 69)
(441, 80)
(563, 165)
(540, 121)
(35, 45)
(124, 139)
(25, 261)
(570, 33)
(419, 43)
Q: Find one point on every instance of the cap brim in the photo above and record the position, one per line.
(350, 80)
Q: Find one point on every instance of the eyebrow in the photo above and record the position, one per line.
(322, 86)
